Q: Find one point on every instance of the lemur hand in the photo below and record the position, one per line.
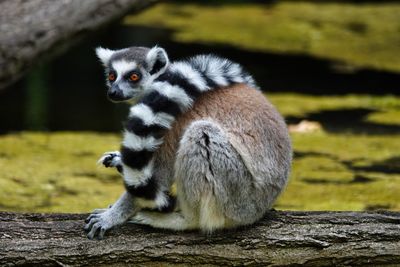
(102, 220)
(98, 223)
(111, 159)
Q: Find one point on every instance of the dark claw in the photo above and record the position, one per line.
(91, 224)
(94, 215)
(88, 219)
(93, 231)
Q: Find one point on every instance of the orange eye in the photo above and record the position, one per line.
(134, 77)
(111, 77)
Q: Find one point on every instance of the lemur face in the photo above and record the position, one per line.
(130, 71)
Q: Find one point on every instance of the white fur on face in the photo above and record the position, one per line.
(122, 67)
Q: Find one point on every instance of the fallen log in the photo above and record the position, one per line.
(282, 238)
(32, 29)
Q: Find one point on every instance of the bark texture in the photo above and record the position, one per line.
(280, 239)
(30, 29)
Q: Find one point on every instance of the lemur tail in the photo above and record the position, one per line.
(221, 71)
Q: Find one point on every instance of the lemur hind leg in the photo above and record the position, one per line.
(172, 221)
(183, 219)
(212, 178)
(215, 189)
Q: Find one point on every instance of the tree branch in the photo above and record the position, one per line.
(281, 238)
(31, 29)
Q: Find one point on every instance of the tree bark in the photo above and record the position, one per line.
(30, 29)
(282, 238)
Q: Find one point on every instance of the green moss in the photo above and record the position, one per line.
(385, 117)
(341, 173)
(293, 104)
(56, 172)
(363, 35)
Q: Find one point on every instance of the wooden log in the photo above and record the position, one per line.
(33, 29)
(282, 238)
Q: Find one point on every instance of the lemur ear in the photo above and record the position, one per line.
(157, 60)
(104, 54)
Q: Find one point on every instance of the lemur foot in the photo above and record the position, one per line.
(141, 218)
(111, 159)
(173, 221)
(98, 223)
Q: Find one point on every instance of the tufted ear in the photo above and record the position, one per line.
(157, 61)
(104, 54)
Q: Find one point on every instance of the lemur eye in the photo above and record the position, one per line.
(134, 77)
(112, 76)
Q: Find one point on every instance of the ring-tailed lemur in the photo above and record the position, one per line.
(201, 142)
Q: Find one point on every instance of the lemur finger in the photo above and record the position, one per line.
(91, 216)
(90, 224)
(87, 220)
(93, 231)
(90, 221)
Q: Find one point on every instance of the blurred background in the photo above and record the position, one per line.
(332, 68)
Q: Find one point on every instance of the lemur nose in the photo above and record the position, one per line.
(112, 93)
(115, 95)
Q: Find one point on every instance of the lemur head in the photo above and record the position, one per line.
(130, 71)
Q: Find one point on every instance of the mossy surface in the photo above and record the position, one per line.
(56, 172)
(352, 163)
(333, 169)
(343, 172)
(359, 34)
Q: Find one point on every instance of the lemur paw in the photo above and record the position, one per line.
(98, 223)
(111, 159)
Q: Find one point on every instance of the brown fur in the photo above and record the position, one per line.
(243, 112)
(224, 106)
